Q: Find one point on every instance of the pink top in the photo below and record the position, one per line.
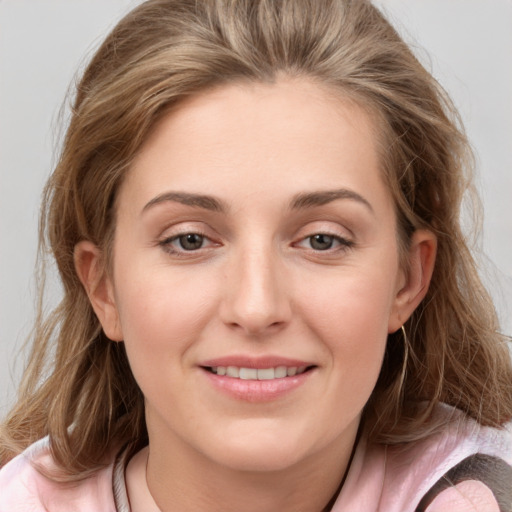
(409, 478)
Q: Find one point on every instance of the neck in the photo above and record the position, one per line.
(186, 481)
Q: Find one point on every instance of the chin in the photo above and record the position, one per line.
(262, 452)
(261, 460)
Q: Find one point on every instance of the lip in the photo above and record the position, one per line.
(256, 391)
(255, 362)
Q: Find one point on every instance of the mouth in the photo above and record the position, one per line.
(260, 379)
(272, 373)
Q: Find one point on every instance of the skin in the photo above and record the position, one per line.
(257, 286)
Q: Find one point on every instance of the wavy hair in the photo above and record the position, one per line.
(78, 387)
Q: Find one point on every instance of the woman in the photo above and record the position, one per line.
(255, 219)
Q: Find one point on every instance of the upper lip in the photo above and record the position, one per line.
(262, 362)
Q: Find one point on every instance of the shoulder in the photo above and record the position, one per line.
(469, 495)
(465, 467)
(24, 488)
(479, 482)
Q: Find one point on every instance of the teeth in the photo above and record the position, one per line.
(266, 374)
(279, 372)
(248, 373)
(232, 371)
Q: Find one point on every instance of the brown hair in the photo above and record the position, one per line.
(78, 387)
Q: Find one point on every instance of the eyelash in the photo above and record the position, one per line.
(167, 246)
(341, 243)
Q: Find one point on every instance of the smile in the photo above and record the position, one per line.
(255, 384)
(279, 372)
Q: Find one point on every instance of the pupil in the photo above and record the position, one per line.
(321, 242)
(191, 241)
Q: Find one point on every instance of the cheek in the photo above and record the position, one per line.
(351, 317)
(351, 304)
(162, 315)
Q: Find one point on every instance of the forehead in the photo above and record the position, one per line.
(293, 133)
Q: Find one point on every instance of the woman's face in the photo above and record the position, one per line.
(256, 274)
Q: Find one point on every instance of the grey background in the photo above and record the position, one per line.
(467, 44)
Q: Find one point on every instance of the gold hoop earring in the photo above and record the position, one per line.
(406, 357)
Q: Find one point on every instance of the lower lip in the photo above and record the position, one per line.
(257, 390)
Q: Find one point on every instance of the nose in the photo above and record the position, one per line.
(256, 299)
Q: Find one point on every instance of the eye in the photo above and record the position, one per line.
(321, 242)
(190, 241)
(185, 242)
(324, 242)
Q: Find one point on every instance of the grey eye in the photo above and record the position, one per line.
(190, 241)
(321, 242)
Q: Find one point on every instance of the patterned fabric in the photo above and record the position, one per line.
(494, 472)
(398, 478)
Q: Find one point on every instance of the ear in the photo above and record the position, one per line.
(416, 280)
(98, 286)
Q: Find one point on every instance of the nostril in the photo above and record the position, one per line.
(255, 324)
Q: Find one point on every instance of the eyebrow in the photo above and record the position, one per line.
(300, 201)
(321, 197)
(197, 200)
